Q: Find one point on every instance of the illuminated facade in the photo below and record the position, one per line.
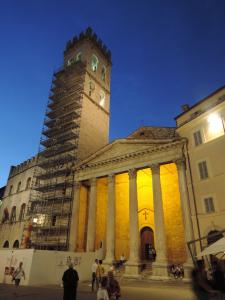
(130, 194)
(203, 125)
(159, 186)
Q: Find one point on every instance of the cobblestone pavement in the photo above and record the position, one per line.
(131, 290)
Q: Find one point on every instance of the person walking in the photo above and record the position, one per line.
(113, 287)
(70, 280)
(99, 272)
(94, 277)
(102, 293)
(122, 260)
(18, 274)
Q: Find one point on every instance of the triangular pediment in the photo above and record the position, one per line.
(119, 148)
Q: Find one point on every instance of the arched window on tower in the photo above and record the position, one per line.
(28, 184)
(22, 212)
(103, 74)
(6, 244)
(78, 56)
(102, 99)
(70, 61)
(16, 244)
(18, 186)
(94, 63)
(13, 215)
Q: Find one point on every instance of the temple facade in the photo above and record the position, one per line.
(131, 195)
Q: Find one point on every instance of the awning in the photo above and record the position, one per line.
(217, 247)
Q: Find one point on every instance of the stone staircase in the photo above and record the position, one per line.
(146, 270)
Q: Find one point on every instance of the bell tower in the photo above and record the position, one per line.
(76, 124)
(94, 119)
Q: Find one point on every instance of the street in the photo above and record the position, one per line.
(131, 290)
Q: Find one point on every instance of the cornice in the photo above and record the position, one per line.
(131, 155)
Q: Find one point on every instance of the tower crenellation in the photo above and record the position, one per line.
(89, 34)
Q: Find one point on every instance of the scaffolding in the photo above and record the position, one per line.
(50, 205)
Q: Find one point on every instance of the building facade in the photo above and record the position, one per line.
(203, 125)
(159, 187)
(15, 203)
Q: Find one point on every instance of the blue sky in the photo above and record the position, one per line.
(165, 53)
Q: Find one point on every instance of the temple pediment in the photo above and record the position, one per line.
(120, 148)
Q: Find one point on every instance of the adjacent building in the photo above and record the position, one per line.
(203, 126)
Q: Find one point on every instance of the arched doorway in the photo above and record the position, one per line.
(213, 236)
(147, 241)
(6, 244)
(16, 244)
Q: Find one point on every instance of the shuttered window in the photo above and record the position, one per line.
(198, 138)
(203, 171)
(209, 205)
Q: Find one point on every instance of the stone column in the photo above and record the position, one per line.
(160, 265)
(91, 217)
(133, 264)
(110, 230)
(186, 214)
(74, 217)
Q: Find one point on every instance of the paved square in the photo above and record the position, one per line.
(131, 290)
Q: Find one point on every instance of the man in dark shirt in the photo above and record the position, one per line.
(70, 280)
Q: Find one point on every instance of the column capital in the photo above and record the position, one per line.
(132, 173)
(155, 168)
(77, 184)
(93, 181)
(180, 163)
(111, 178)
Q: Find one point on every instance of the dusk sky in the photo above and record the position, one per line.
(165, 53)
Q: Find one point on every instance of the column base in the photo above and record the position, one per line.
(160, 270)
(188, 267)
(132, 269)
(107, 264)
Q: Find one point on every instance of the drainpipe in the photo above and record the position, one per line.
(193, 192)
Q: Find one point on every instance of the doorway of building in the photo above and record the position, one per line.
(147, 243)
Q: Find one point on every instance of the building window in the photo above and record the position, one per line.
(18, 186)
(37, 182)
(53, 220)
(28, 184)
(78, 56)
(5, 216)
(198, 138)
(70, 61)
(103, 73)
(94, 63)
(102, 99)
(215, 126)
(16, 244)
(203, 171)
(13, 215)
(6, 244)
(92, 87)
(10, 190)
(209, 205)
(22, 212)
